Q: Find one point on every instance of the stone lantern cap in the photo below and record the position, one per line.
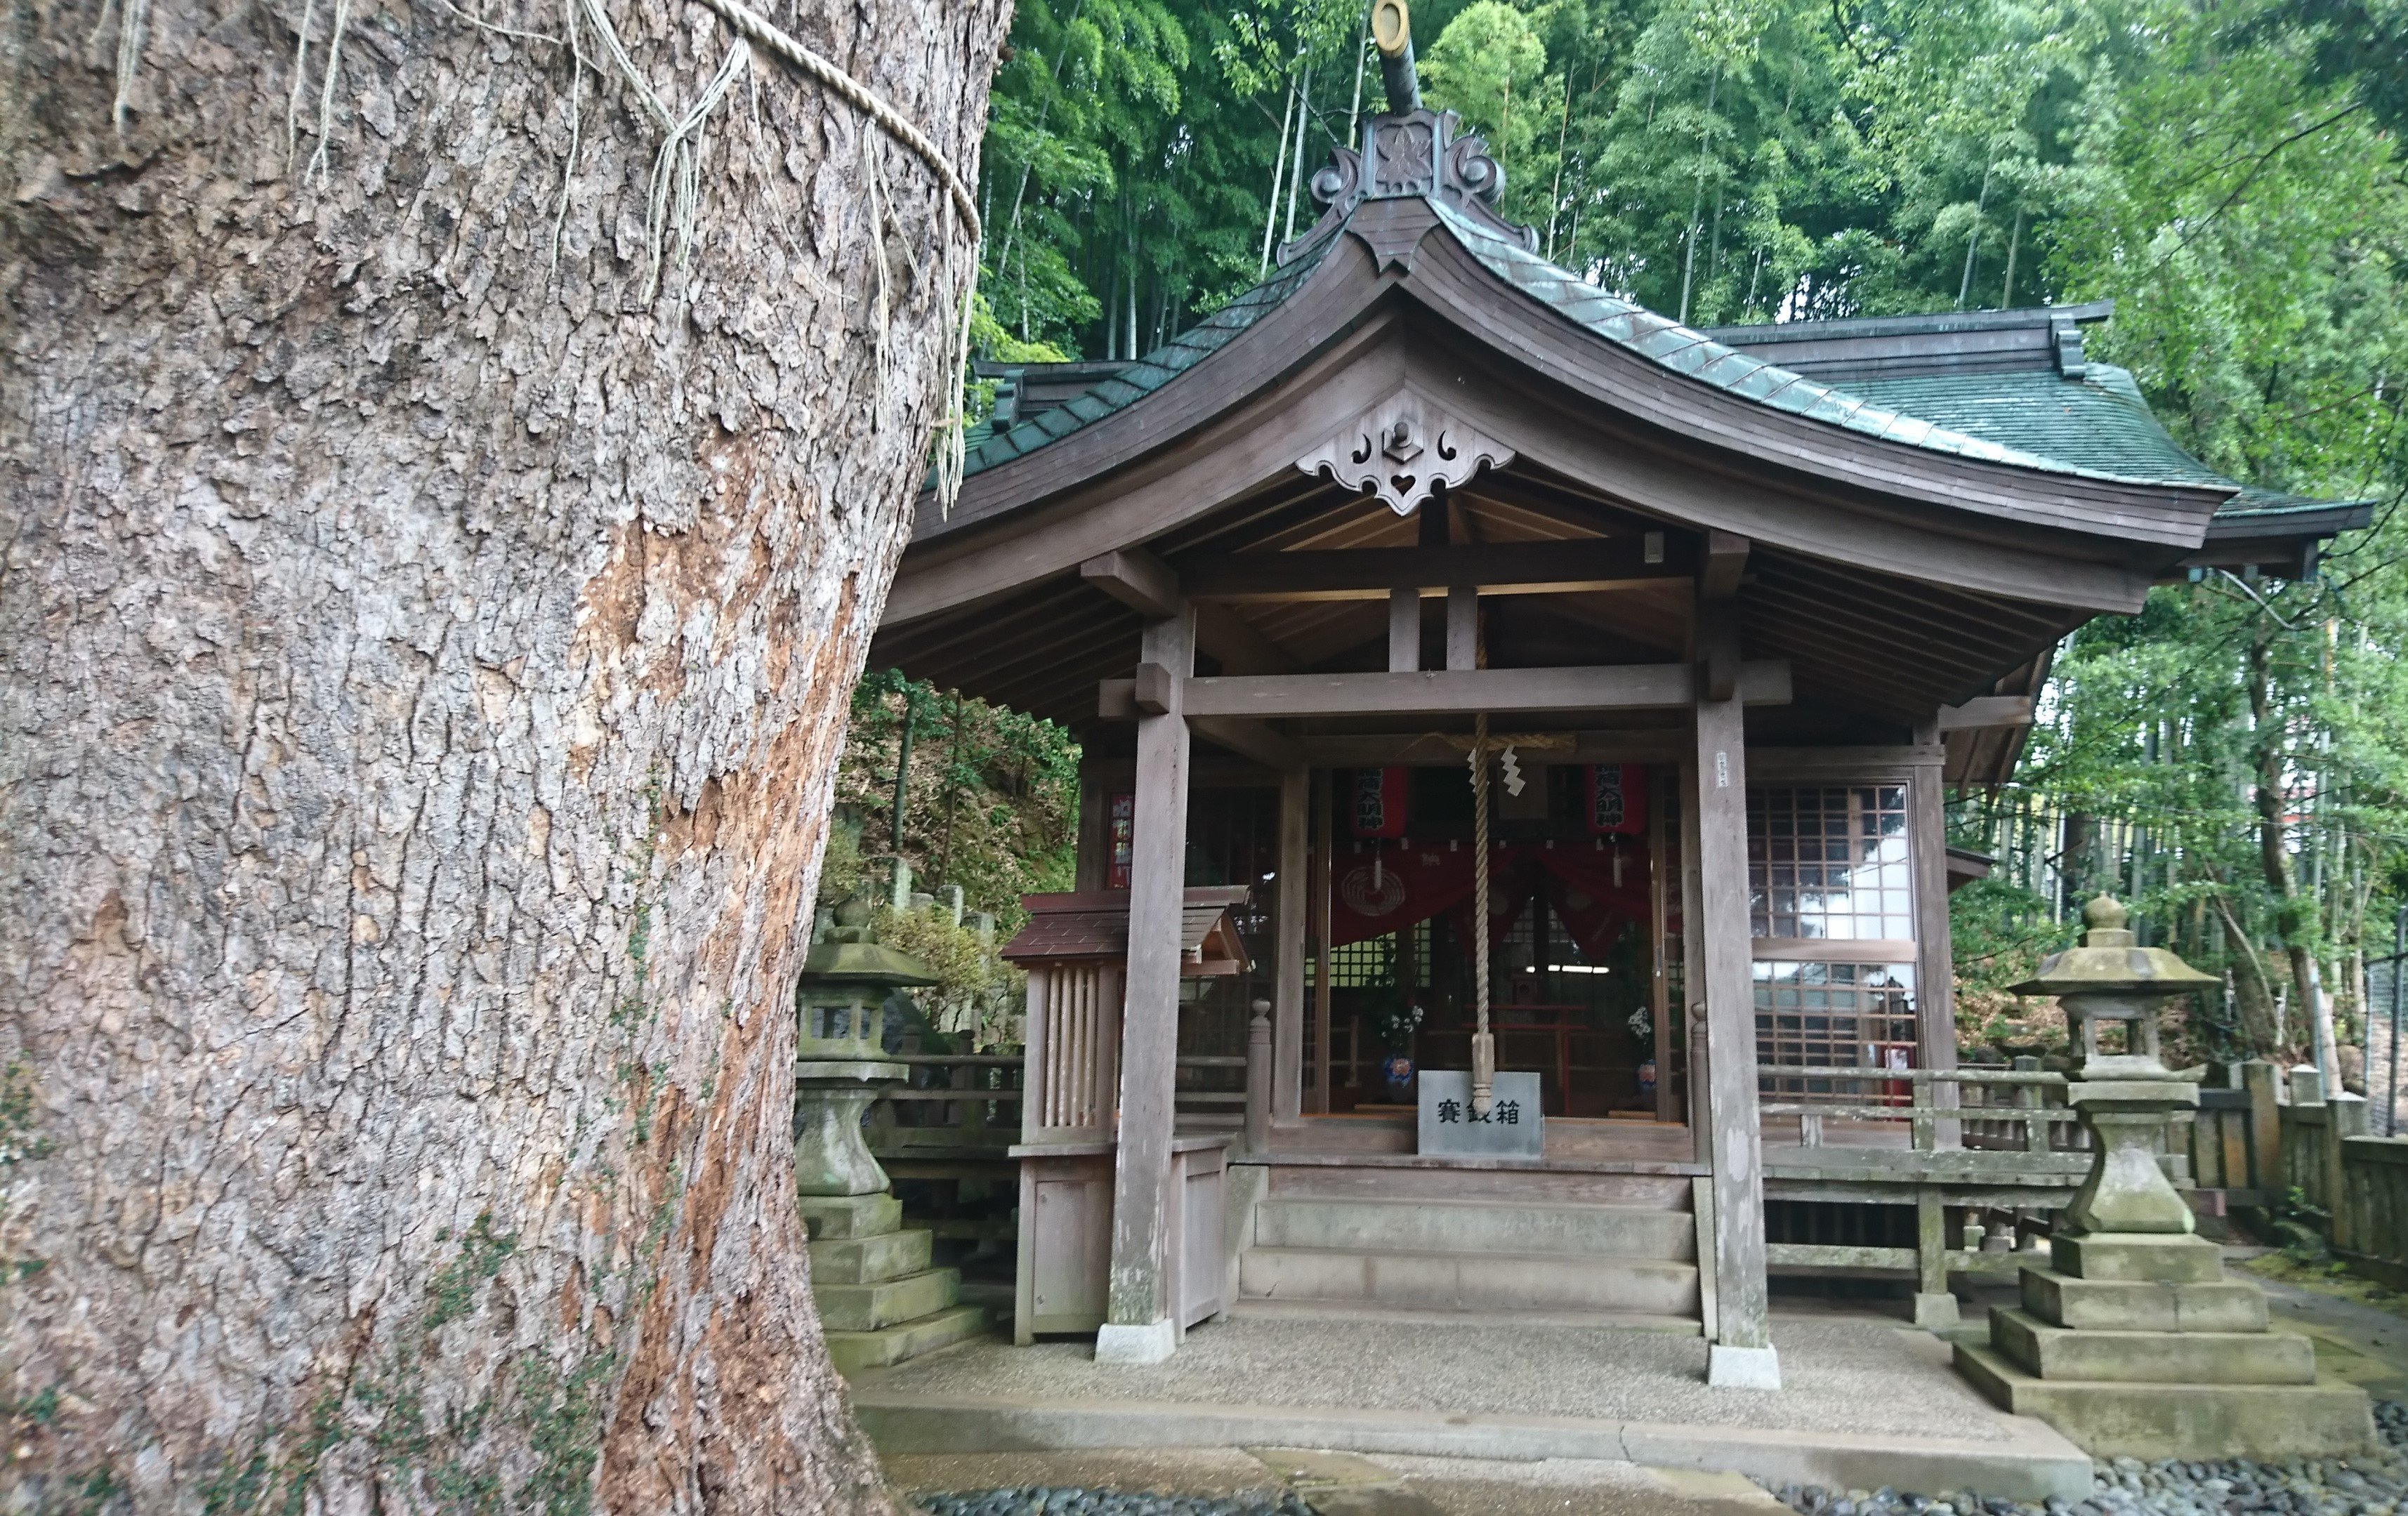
(864, 964)
(841, 997)
(2110, 962)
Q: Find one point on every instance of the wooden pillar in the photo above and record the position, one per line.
(1404, 630)
(1462, 628)
(1323, 994)
(1138, 1326)
(1722, 977)
(1295, 890)
(1935, 976)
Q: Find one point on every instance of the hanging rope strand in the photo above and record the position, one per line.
(1483, 1045)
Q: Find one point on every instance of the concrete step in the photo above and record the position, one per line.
(1373, 1311)
(853, 1351)
(2149, 1422)
(1476, 1226)
(868, 1260)
(2058, 1352)
(866, 1308)
(1513, 1186)
(1471, 1280)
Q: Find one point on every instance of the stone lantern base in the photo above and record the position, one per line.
(878, 1298)
(2137, 1344)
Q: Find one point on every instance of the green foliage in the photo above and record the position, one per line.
(993, 797)
(976, 993)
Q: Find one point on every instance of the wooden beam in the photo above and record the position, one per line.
(1725, 556)
(1138, 579)
(1465, 692)
(1491, 569)
(1429, 750)
(1986, 711)
(1154, 692)
(1404, 630)
(1265, 746)
(1324, 991)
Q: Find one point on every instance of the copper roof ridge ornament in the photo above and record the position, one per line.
(1408, 150)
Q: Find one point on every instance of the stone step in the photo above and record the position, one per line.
(2121, 1306)
(868, 1260)
(1512, 1186)
(2190, 1421)
(1476, 1226)
(829, 1216)
(866, 1308)
(1373, 1311)
(1471, 1282)
(853, 1351)
(2057, 1352)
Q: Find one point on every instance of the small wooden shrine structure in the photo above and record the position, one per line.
(1742, 603)
(1075, 950)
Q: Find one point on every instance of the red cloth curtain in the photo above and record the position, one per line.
(1382, 887)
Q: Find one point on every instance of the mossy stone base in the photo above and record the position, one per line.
(2138, 1257)
(862, 1260)
(2144, 1305)
(853, 1351)
(2236, 1358)
(832, 1216)
(2191, 1422)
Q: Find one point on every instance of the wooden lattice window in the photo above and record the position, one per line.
(1829, 862)
(1827, 1015)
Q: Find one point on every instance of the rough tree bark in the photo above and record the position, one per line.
(425, 667)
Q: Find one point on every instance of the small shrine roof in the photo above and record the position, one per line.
(1095, 925)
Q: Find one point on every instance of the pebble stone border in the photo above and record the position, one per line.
(2377, 1485)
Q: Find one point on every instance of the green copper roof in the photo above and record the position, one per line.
(2098, 428)
(986, 447)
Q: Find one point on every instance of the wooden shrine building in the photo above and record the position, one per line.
(1741, 602)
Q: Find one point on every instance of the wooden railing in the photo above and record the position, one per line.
(961, 1105)
(2040, 1126)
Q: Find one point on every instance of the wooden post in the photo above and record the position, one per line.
(1935, 976)
(1258, 1081)
(2259, 1077)
(1138, 1326)
(1934, 1307)
(1742, 1355)
(1288, 994)
(1404, 630)
(1462, 628)
(1324, 995)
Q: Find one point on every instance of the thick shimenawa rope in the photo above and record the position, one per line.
(1483, 1044)
(753, 26)
(760, 29)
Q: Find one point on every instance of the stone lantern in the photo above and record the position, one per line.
(840, 1064)
(2124, 1098)
(879, 1299)
(2132, 1341)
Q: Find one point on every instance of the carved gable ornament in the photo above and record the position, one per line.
(1402, 449)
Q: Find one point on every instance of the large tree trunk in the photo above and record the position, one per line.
(426, 663)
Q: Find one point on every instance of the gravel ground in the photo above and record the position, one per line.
(1041, 1500)
(2371, 1486)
